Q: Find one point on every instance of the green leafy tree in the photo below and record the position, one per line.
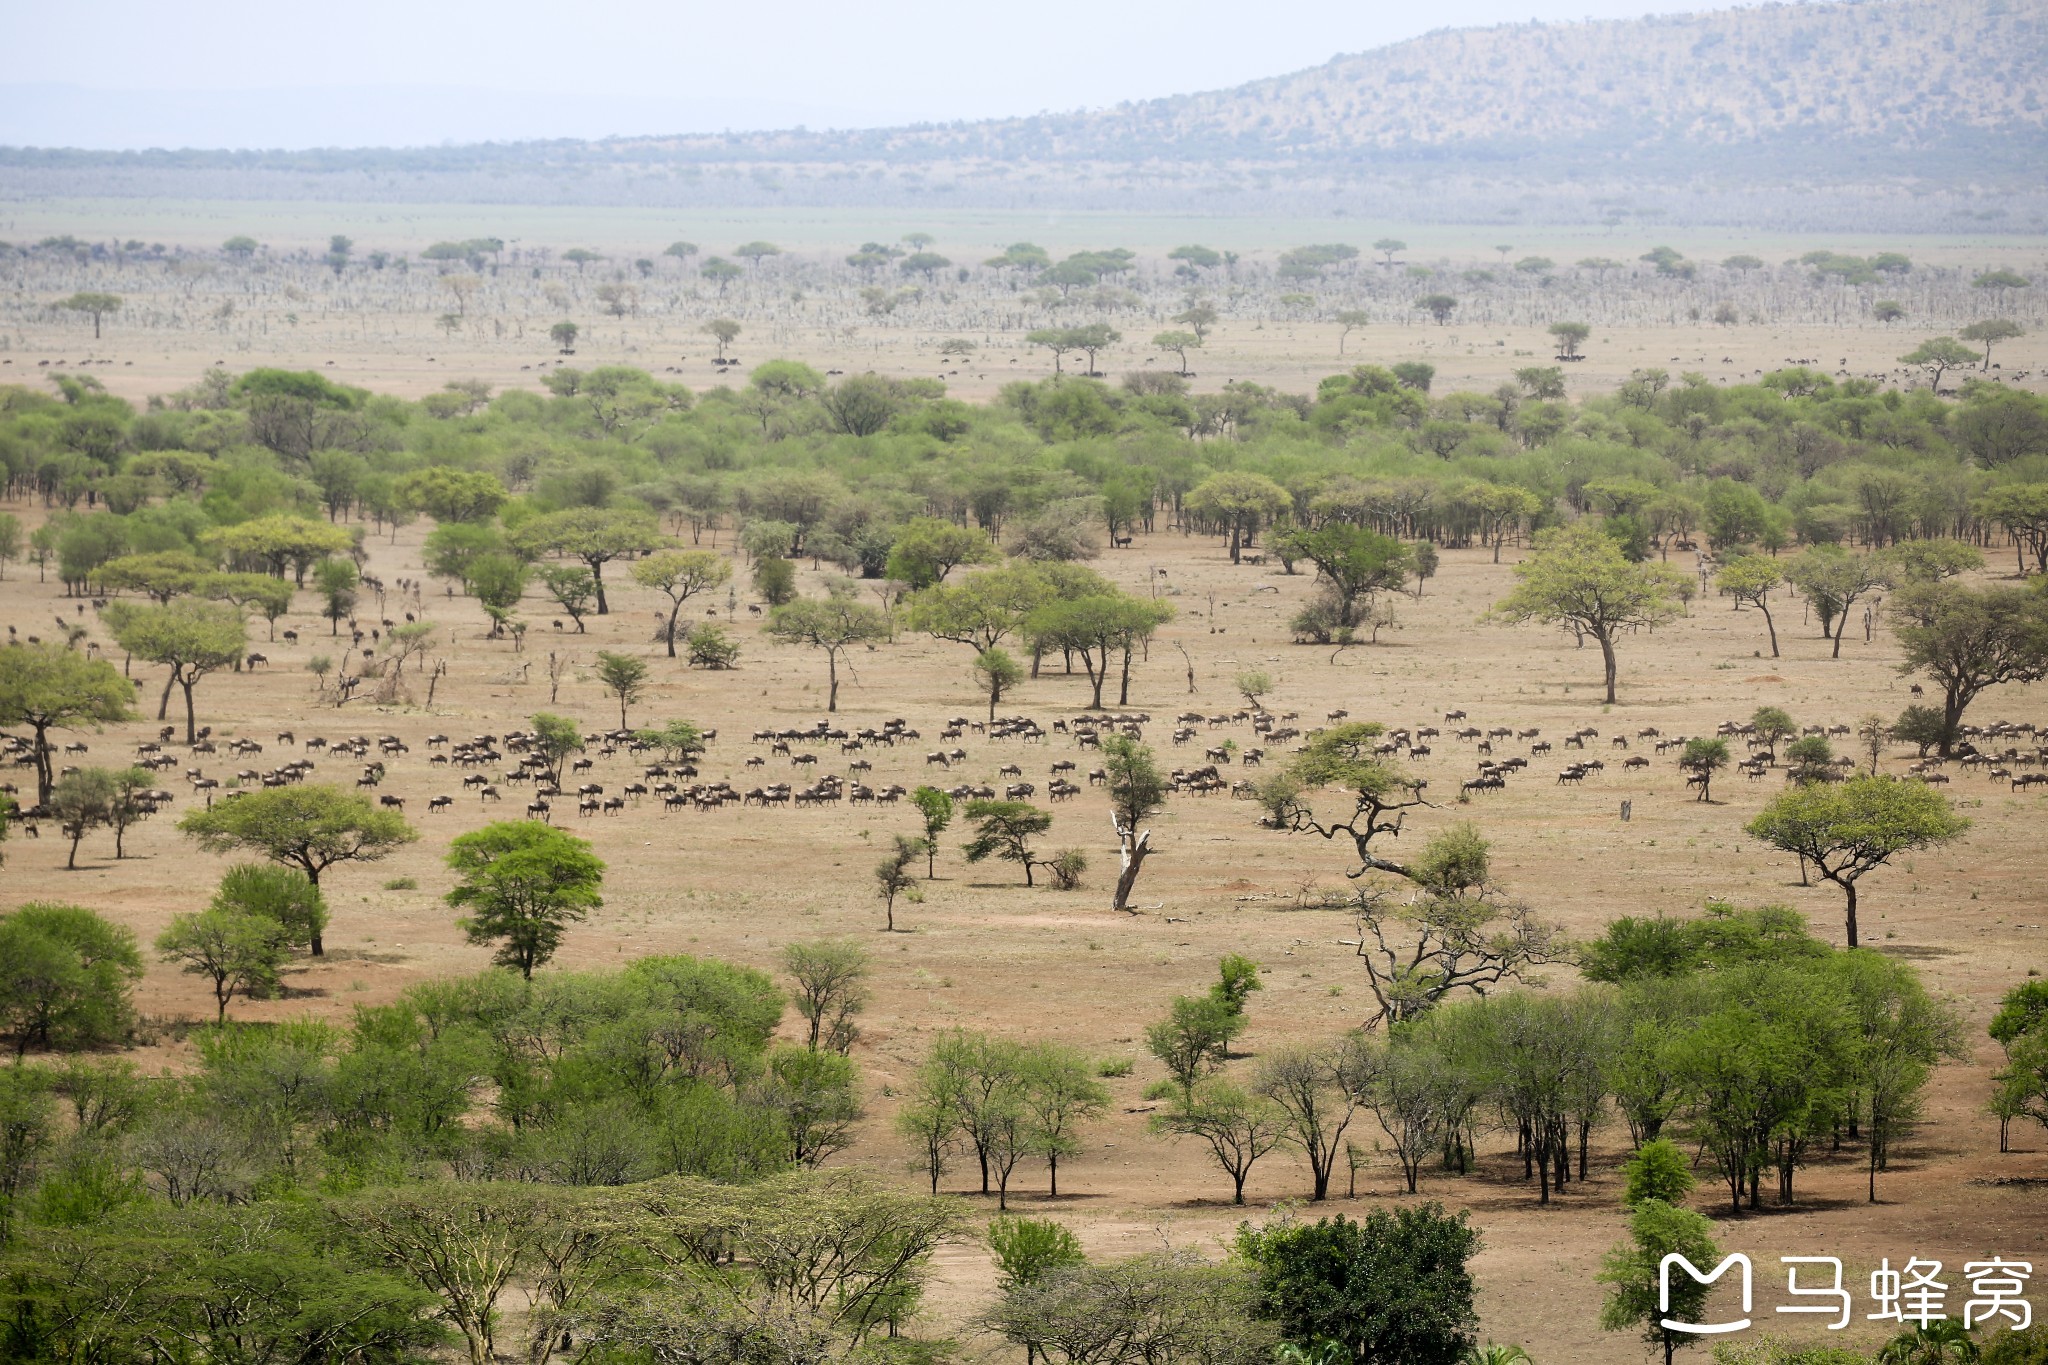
(1239, 503)
(1968, 639)
(1354, 565)
(1180, 343)
(499, 581)
(624, 676)
(1103, 629)
(831, 626)
(1570, 336)
(1749, 579)
(1137, 791)
(523, 883)
(66, 974)
(309, 827)
(678, 740)
(1193, 1039)
(595, 535)
(554, 739)
(1392, 1286)
(452, 495)
(999, 674)
(1438, 306)
(1848, 829)
(283, 894)
(1939, 355)
(1004, 830)
(927, 549)
(192, 638)
(574, 590)
(235, 950)
(1990, 332)
(1060, 1094)
(831, 990)
(1238, 1127)
(1636, 1270)
(680, 575)
(1703, 758)
(48, 687)
(336, 581)
(775, 580)
(935, 808)
(723, 331)
(1578, 578)
(1832, 579)
(93, 304)
(82, 801)
(893, 877)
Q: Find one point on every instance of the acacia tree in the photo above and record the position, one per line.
(1968, 639)
(523, 883)
(893, 877)
(1004, 830)
(95, 305)
(936, 809)
(1846, 829)
(1579, 579)
(311, 828)
(1240, 503)
(1749, 579)
(1354, 564)
(1939, 355)
(1137, 790)
(1101, 628)
(1239, 1127)
(192, 638)
(680, 575)
(998, 674)
(49, 687)
(831, 978)
(1832, 579)
(624, 676)
(1704, 756)
(595, 535)
(833, 626)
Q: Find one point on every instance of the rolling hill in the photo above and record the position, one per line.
(1928, 96)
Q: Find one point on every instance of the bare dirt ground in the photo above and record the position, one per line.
(981, 951)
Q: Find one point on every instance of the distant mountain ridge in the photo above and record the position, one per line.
(1930, 111)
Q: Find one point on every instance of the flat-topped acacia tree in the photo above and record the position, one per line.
(311, 828)
(49, 687)
(1579, 579)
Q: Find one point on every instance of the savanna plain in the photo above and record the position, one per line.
(1304, 532)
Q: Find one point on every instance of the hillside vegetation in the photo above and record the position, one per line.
(1938, 97)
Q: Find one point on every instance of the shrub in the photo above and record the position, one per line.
(1066, 868)
(709, 646)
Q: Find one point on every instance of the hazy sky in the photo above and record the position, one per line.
(260, 74)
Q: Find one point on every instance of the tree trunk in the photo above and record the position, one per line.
(1771, 626)
(1236, 549)
(1607, 659)
(678, 611)
(1849, 890)
(832, 672)
(1052, 1167)
(597, 581)
(191, 727)
(313, 875)
(1133, 848)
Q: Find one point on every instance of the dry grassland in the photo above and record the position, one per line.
(981, 951)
